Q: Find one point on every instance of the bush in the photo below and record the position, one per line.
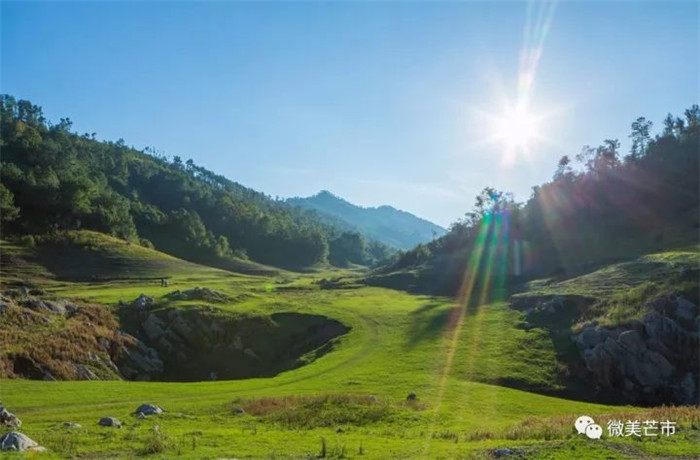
(146, 243)
(156, 443)
(27, 241)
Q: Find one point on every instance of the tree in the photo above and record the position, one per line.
(8, 211)
(563, 167)
(606, 156)
(640, 136)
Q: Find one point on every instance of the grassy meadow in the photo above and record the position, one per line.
(464, 365)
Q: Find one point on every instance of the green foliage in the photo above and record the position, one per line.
(54, 179)
(8, 211)
(399, 343)
(155, 443)
(597, 209)
(349, 248)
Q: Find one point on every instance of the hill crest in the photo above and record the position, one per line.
(386, 224)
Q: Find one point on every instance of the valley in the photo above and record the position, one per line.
(482, 381)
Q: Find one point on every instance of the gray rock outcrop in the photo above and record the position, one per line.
(649, 361)
(110, 421)
(9, 419)
(18, 442)
(149, 409)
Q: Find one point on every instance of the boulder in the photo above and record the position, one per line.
(143, 301)
(110, 421)
(686, 309)
(591, 335)
(47, 306)
(9, 419)
(84, 373)
(140, 362)
(153, 327)
(16, 441)
(505, 452)
(650, 361)
(149, 409)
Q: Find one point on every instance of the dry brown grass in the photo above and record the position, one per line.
(34, 342)
(562, 426)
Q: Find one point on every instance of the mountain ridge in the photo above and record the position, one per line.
(386, 224)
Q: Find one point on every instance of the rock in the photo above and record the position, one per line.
(687, 391)
(632, 341)
(16, 441)
(72, 425)
(7, 418)
(84, 373)
(140, 361)
(140, 416)
(238, 411)
(411, 397)
(110, 421)
(504, 452)
(149, 409)
(251, 353)
(143, 301)
(153, 327)
(686, 309)
(45, 306)
(652, 361)
(591, 335)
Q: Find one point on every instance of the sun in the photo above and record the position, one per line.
(517, 128)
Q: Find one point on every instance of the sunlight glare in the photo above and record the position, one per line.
(516, 128)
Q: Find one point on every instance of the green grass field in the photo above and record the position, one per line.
(351, 402)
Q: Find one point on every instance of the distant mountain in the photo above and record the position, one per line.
(388, 225)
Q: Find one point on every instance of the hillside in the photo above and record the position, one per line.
(599, 208)
(83, 255)
(53, 179)
(390, 226)
(488, 378)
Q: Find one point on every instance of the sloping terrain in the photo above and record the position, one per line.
(468, 367)
(90, 256)
(393, 227)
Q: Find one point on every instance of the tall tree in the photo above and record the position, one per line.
(640, 136)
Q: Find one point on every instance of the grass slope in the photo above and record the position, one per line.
(350, 403)
(91, 256)
(619, 292)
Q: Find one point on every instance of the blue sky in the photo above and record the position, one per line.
(379, 102)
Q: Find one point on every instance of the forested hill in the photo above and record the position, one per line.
(399, 229)
(54, 179)
(600, 206)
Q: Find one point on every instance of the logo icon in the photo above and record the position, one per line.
(586, 425)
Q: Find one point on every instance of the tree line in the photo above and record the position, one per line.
(53, 179)
(601, 205)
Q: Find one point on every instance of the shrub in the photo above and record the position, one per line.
(28, 241)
